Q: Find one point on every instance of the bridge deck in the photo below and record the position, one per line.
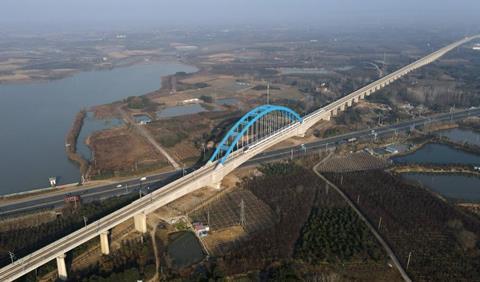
(205, 176)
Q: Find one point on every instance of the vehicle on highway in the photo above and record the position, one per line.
(119, 186)
(351, 140)
(143, 178)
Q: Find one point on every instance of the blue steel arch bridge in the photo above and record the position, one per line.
(253, 128)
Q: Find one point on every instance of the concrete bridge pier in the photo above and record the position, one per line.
(62, 267)
(342, 107)
(104, 244)
(349, 103)
(301, 134)
(216, 185)
(140, 222)
(215, 181)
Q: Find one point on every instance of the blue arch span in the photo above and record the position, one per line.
(248, 120)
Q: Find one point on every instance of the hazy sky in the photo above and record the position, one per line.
(124, 13)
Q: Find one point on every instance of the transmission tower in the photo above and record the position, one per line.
(384, 60)
(268, 93)
(208, 217)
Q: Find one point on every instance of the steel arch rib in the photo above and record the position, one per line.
(256, 113)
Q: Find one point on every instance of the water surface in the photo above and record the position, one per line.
(181, 110)
(35, 118)
(228, 101)
(303, 71)
(90, 125)
(454, 186)
(461, 136)
(185, 249)
(439, 154)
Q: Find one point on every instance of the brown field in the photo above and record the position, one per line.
(120, 151)
(28, 220)
(352, 162)
(183, 136)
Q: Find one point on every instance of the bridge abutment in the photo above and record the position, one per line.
(140, 222)
(62, 267)
(104, 244)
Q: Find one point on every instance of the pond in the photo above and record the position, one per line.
(454, 186)
(33, 141)
(303, 71)
(181, 110)
(184, 249)
(439, 154)
(461, 136)
(90, 125)
(344, 68)
(228, 101)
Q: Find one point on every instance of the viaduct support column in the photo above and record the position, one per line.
(104, 244)
(301, 134)
(216, 185)
(62, 267)
(215, 181)
(140, 221)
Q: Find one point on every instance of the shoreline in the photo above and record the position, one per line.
(72, 140)
(73, 72)
(71, 153)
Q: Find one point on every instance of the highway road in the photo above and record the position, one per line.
(156, 181)
(159, 180)
(328, 143)
(212, 172)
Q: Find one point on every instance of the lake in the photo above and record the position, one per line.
(37, 116)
